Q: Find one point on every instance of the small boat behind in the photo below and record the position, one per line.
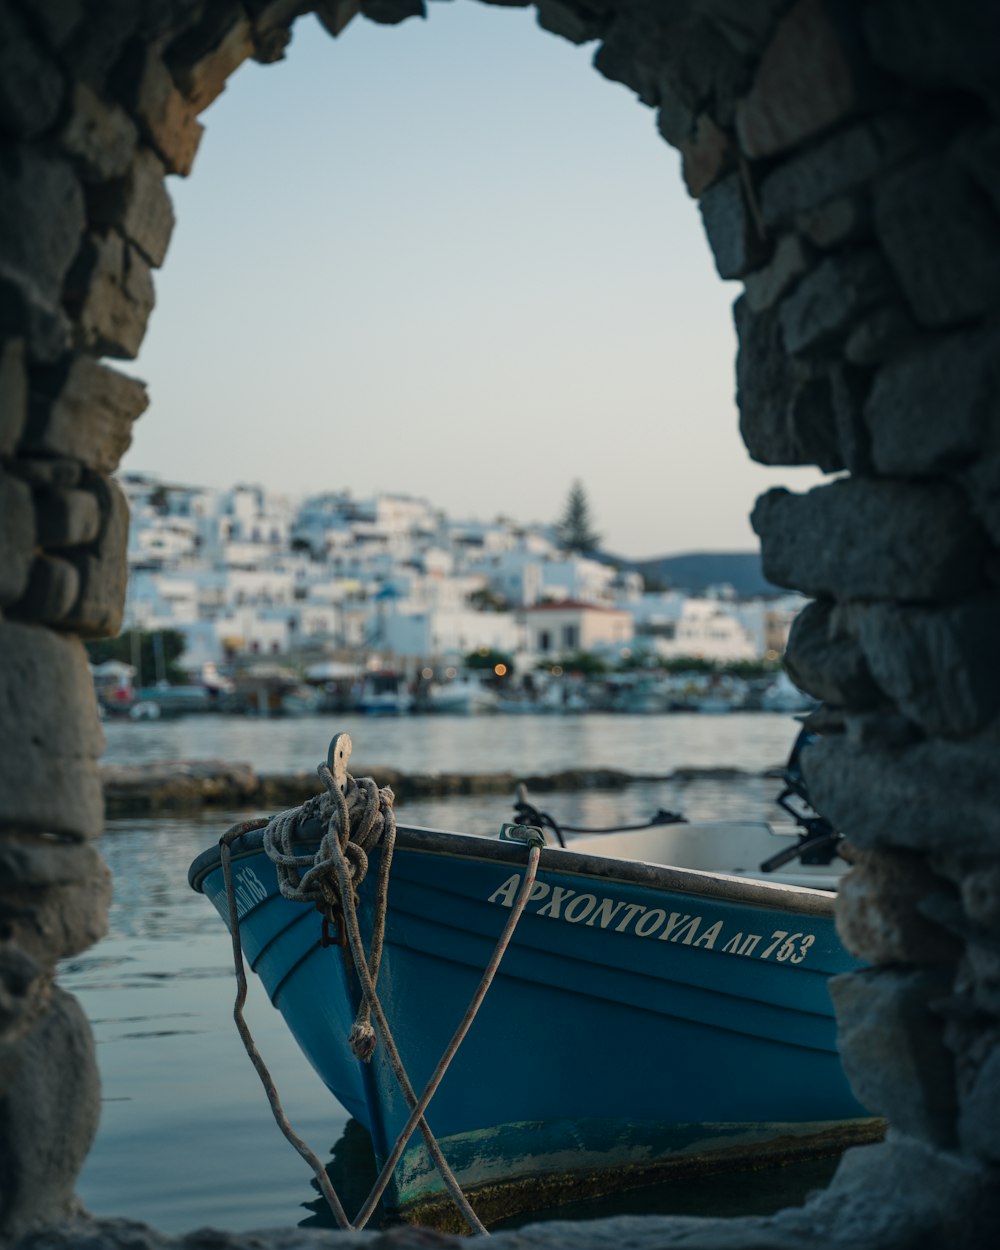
(384, 694)
(466, 695)
(645, 1017)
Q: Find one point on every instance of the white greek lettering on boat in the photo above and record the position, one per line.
(249, 890)
(506, 893)
(606, 912)
(566, 904)
(675, 919)
(575, 913)
(776, 937)
(685, 932)
(707, 939)
(652, 920)
(631, 911)
(554, 906)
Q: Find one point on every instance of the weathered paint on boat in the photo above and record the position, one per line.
(644, 1018)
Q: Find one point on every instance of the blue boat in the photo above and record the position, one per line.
(645, 1020)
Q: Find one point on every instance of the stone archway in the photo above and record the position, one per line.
(844, 158)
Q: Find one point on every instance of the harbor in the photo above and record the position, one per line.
(159, 988)
(449, 410)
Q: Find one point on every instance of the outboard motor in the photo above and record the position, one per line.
(819, 842)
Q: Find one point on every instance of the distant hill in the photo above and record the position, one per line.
(698, 569)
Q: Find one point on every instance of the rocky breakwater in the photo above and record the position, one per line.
(181, 786)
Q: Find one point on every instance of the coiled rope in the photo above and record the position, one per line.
(358, 817)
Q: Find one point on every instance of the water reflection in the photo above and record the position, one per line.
(759, 1191)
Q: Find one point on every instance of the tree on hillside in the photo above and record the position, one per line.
(157, 654)
(574, 528)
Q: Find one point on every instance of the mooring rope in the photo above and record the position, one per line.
(358, 816)
(318, 1170)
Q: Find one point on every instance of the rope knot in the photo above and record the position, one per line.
(362, 1040)
(355, 817)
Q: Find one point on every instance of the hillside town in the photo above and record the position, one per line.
(383, 602)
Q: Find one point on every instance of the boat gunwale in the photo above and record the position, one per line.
(806, 900)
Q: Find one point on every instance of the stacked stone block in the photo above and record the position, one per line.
(844, 156)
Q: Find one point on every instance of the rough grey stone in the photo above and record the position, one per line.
(824, 659)
(924, 796)
(51, 736)
(66, 518)
(48, 1118)
(98, 135)
(39, 862)
(979, 1118)
(839, 221)
(706, 154)
(84, 411)
(849, 388)
(391, 12)
(20, 994)
(53, 587)
(103, 571)
(902, 1192)
(939, 234)
(169, 122)
(13, 395)
(47, 471)
(979, 151)
(41, 221)
(677, 114)
(271, 22)
(884, 729)
(980, 479)
(31, 87)
(827, 301)
(55, 21)
(204, 57)
(24, 314)
(17, 537)
(844, 162)
(862, 539)
(109, 292)
(736, 243)
(58, 921)
(936, 664)
(746, 27)
(334, 15)
(929, 410)
(981, 895)
(810, 77)
(893, 1051)
(786, 407)
(936, 46)
(982, 959)
(764, 287)
(879, 334)
(878, 916)
(137, 204)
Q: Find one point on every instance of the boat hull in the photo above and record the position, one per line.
(643, 1020)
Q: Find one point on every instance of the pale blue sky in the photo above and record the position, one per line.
(448, 258)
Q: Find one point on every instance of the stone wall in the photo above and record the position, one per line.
(844, 155)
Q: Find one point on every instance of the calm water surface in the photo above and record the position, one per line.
(541, 744)
(186, 1137)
